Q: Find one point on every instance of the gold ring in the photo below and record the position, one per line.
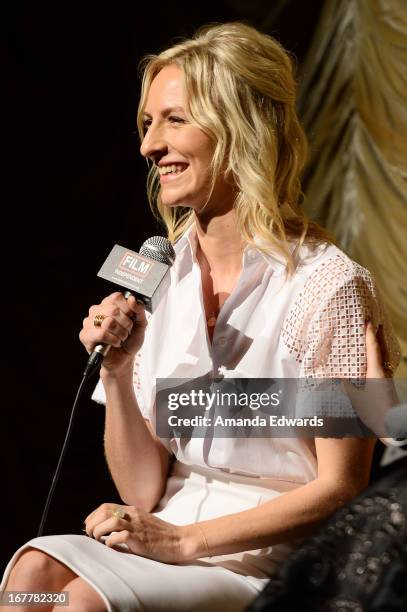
(118, 512)
(98, 319)
(388, 366)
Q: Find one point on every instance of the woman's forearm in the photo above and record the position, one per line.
(137, 461)
(289, 516)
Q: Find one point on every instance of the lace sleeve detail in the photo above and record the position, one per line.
(325, 328)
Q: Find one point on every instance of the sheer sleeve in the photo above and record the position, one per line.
(325, 329)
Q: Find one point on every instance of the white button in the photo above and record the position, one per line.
(251, 254)
(222, 341)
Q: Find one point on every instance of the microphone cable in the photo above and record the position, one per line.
(63, 452)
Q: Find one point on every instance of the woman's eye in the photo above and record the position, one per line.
(171, 118)
(175, 119)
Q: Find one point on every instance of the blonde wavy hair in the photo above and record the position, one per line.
(241, 92)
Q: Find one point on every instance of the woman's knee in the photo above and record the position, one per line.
(34, 565)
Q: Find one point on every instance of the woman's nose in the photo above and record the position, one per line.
(153, 143)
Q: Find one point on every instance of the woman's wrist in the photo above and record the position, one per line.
(193, 543)
(120, 373)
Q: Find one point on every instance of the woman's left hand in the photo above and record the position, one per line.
(145, 534)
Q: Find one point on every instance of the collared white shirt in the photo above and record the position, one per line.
(312, 324)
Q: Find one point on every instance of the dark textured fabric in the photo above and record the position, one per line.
(357, 561)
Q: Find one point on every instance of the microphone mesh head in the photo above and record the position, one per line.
(159, 249)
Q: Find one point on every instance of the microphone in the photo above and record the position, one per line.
(396, 423)
(144, 274)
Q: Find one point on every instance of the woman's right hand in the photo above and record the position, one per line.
(123, 329)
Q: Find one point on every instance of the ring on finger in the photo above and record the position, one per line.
(119, 512)
(98, 319)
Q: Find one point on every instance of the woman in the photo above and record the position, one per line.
(256, 291)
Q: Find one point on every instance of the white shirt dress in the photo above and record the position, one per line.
(312, 324)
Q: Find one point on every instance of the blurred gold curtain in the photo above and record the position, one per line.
(353, 104)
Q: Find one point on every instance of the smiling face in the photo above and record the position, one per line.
(182, 151)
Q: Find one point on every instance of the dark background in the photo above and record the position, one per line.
(73, 80)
